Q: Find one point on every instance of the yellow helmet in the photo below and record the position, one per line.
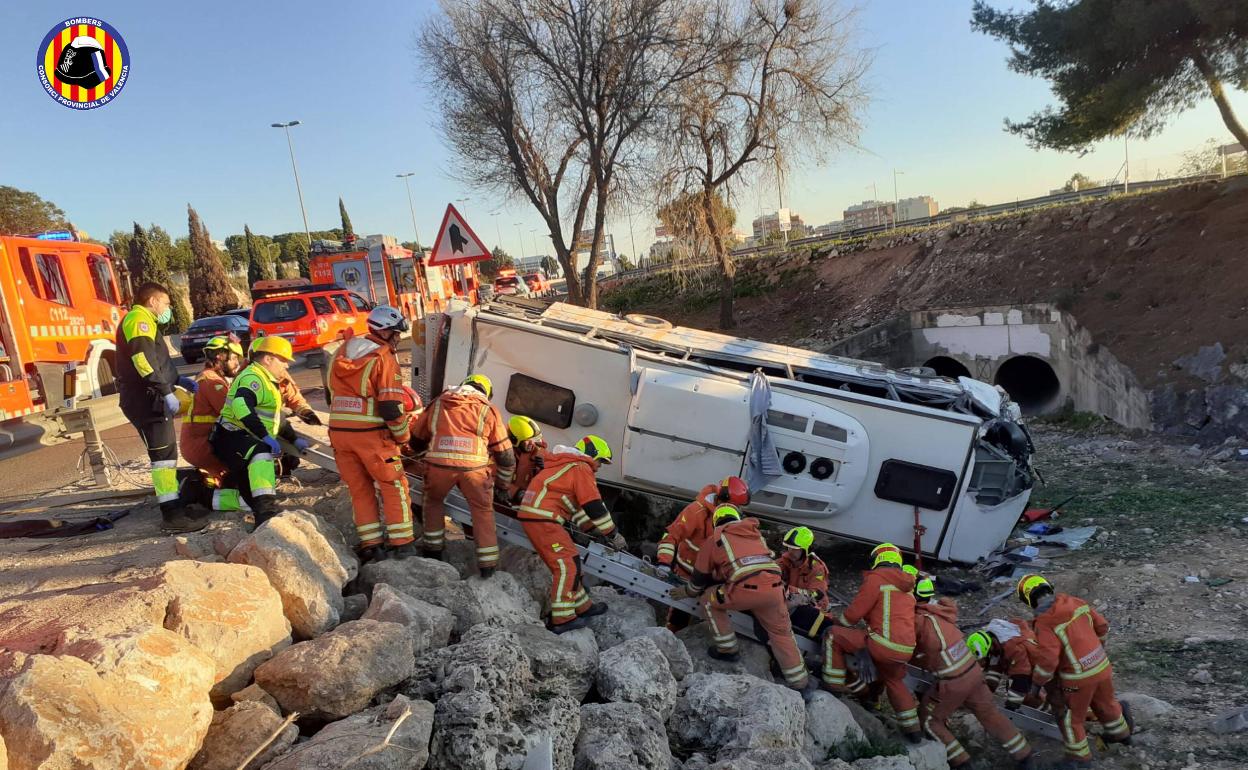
(185, 399)
(925, 588)
(885, 553)
(980, 643)
(522, 428)
(725, 512)
(222, 342)
(799, 537)
(596, 448)
(911, 570)
(481, 383)
(1027, 587)
(274, 346)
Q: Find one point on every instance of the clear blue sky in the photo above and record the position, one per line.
(192, 124)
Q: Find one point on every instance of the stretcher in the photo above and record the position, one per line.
(636, 575)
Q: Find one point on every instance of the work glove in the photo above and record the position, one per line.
(865, 667)
(172, 405)
(680, 592)
(302, 444)
(662, 571)
(618, 542)
(275, 448)
(186, 383)
(500, 496)
(309, 417)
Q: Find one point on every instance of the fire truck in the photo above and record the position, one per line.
(380, 270)
(60, 306)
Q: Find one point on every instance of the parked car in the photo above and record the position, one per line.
(508, 282)
(241, 312)
(311, 317)
(204, 329)
(539, 284)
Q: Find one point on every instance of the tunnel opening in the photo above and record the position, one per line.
(1030, 381)
(945, 366)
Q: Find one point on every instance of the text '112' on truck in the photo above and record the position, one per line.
(861, 452)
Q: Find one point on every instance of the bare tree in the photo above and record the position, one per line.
(549, 98)
(788, 85)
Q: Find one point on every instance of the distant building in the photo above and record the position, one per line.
(868, 214)
(922, 207)
(529, 264)
(783, 220)
(608, 260)
(831, 228)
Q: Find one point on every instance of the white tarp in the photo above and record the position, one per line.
(761, 462)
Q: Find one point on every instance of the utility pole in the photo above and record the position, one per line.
(407, 183)
(298, 186)
(1126, 166)
(896, 199)
(633, 241)
(520, 237)
(497, 230)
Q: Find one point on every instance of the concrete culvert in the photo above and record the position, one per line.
(1030, 381)
(947, 367)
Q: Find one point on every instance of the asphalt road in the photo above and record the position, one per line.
(51, 467)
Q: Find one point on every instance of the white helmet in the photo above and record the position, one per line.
(383, 318)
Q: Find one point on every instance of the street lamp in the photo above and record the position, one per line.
(520, 236)
(533, 235)
(293, 165)
(406, 177)
(896, 200)
(497, 229)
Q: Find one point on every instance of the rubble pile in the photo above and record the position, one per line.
(243, 657)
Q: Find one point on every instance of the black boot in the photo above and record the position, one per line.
(407, 550)
(431, 553)
(176, 520)
(485, 572)
(728, 657)
(371, 553)
(595, 609)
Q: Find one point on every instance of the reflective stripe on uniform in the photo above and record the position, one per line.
(1078, 671)
(262, 475)
(140, 364)
(535, 508)
(884, 638)
(165, 480)
(952, 665)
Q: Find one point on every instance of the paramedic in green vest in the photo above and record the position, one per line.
(146, 378)
(245, 437)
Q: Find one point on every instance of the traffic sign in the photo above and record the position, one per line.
(456, 243)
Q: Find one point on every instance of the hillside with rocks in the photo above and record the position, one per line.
(1158, 278)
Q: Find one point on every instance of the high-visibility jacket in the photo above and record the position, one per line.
(464, 430)
(805, 574)
(206, 408)
(562, 491)
(733, 552)
(885, 601)
(939, 645)
(265, 419)
(683, 539)
(1070, 638)
(366, 390)
(144, 369)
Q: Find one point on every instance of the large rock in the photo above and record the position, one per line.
(229, 611)
(755, 658)
(765, 759)
(1145, 708)
(678, 659)
(338, 673)
(528, 568)
(562, 664)
(131, 702)
(829, 725)
(730, 713)
(498, 601)
(928, 755)
(621, 736)
(897, 762)
(408, 575)
(429, 625)
(875, 730)
(635, 671)
(256, 694)
(624, 617)
(360, 741)
(304, 563)
(237, 732)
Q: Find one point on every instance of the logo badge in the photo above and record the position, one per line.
(83, 63)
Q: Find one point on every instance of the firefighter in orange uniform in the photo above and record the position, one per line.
(886, 603)
(223, 358)
(1005, 648)
(1070, 639)
(737, 563)
(941, 650)
(805, 574)
(464, 432)
(679, 546)
(565, 490)
(367, 428)
(530, 447)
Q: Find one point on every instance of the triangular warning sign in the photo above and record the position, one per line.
(456, 243)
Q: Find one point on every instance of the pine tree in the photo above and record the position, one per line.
(211, 293)
(299, 251)
(259, 268)
(283, 272)
(150, 264)
(347, 233)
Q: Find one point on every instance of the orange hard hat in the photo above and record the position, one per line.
(411, 400)
(734, 490)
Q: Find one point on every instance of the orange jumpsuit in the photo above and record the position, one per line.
(292, 397)
(530, 456)
(941, 649)
(1011, 660)
(886, 603)
(209, 400)
(367, 426)
(559, 493)
(1070, 638)
(464, 431)
(736, 557)
(680, 544)
(805, 574)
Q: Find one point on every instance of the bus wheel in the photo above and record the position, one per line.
(104, 376)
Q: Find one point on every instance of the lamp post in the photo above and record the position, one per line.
(896, 200)
(298, 187)
(520, 236)
(406, 177)
(498, 230)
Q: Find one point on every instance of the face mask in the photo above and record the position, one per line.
(165, 316)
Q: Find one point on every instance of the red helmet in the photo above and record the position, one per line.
(733, 490)
(411, 400)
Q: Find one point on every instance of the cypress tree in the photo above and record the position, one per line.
(347, 233)
(211, 293)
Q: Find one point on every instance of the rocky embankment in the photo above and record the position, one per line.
(276, 650)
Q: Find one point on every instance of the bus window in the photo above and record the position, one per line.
(102, 280)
